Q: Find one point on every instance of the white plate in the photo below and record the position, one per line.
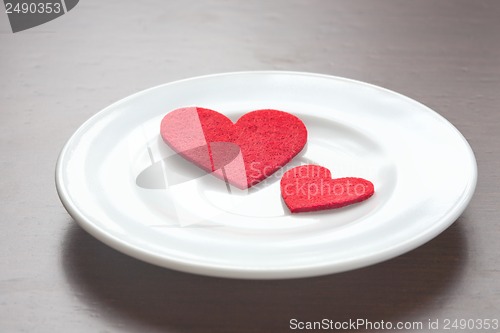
(110, 178)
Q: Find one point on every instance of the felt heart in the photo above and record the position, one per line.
(267, 140)
(311, 187)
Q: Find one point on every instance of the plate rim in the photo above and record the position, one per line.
(250, 272)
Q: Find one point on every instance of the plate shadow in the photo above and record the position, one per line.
(139, 295)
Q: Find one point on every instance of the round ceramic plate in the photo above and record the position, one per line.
(122, 184)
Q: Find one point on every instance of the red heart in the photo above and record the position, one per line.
(311, 187)
(267, 140)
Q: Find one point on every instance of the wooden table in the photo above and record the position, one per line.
(57, 278)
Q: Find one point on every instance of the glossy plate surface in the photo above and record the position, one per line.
(123, 185)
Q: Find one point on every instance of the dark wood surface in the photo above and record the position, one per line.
(55, 277)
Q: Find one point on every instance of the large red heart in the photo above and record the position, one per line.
(311, 187)
(265, 141)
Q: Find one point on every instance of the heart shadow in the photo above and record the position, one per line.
(130, 292)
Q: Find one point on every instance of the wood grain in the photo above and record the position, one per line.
(55, 277)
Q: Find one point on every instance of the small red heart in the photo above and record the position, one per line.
(311, 187)
(267, 140)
